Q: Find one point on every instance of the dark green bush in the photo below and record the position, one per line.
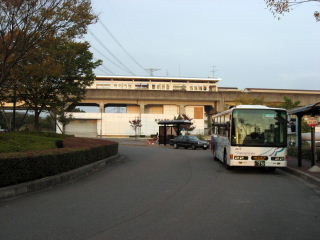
(21, 167)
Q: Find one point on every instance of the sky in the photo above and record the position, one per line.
(238, 41)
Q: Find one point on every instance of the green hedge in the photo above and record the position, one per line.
(21, 167)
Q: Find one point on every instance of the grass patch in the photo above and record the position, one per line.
(20, 167)
(22, 142)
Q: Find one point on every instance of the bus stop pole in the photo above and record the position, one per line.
(313, 147)
(165, 135)
(299, 142)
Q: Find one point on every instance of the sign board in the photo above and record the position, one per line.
(312, 121)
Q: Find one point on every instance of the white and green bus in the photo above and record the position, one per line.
(250, 135)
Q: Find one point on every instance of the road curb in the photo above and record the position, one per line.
(305, 176)
(43, 183)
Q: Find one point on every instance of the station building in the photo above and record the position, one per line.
(112, 101)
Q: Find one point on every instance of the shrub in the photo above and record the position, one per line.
(26, 166)
(59, 143)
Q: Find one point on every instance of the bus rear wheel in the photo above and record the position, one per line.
(225, 161)
(214, 157)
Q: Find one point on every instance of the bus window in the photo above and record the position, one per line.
(259, 127)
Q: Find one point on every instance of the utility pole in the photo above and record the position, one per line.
(213, 71)
(152, 70)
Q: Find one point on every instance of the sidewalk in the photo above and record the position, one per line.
(303, 171)
(134, 142)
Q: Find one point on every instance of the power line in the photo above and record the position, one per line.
(122, 47)
(105, 70)
(101, 43)
(102, 71)
(108, 59)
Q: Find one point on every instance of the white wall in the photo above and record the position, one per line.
(118, 123)
(170, 110)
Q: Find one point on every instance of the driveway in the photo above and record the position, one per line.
(165, 193)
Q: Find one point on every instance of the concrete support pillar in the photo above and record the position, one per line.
(215, 107)
(141, 108)
(182, 109)
(101, 107)
(221, 105)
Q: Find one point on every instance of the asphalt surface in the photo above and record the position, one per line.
(163, 193)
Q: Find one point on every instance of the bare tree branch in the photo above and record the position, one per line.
(279, 7)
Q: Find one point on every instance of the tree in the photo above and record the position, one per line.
(24, 24)
(55, 76)
(289, 104)
(248, 100)
(63, 118)
(186, 127)
(135, 124)
(279, 7)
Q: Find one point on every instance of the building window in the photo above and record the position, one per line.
(205, 88)
(158, 87)
(142, 86)
(153, 86)
(191, 88)
(116, 109)
(167, 86)
(198, 112)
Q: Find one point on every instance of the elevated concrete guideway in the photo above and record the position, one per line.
(151, 105)
(220, 100)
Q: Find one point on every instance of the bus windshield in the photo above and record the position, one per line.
(259, 127)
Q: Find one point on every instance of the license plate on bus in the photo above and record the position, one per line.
(259, 163)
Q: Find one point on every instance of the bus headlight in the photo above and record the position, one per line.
(240, 158)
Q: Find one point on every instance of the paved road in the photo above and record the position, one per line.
(159, 193)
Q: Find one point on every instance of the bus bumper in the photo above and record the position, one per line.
(251, 163)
